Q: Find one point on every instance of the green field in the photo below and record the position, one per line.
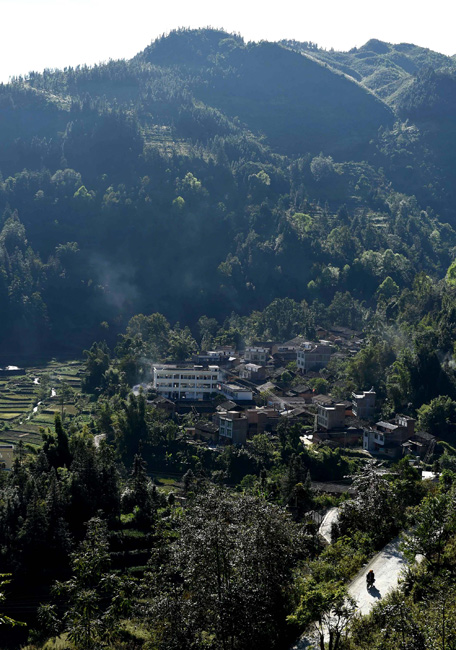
(15, 437)
(21, 415)
(9, 416)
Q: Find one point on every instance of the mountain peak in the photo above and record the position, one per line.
(374, 45)
(194, 46)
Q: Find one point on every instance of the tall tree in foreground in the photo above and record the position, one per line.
(228, 579)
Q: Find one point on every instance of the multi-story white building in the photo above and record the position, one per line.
(313, 356)
(187, 382)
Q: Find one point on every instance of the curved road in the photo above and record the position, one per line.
(387, 566)
(329, 519)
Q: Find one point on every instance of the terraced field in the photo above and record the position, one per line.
(16, 398)
(29, 402)
(28, 434)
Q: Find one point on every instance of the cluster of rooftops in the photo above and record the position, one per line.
(242, 392)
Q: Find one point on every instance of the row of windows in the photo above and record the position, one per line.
(164, 380)
(183, 386)
(183, 377)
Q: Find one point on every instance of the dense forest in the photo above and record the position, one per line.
(208, 175)
(214, 192)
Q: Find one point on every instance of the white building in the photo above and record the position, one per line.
(236, 392)
(188, 382)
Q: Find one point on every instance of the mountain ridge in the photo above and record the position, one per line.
(208, 175)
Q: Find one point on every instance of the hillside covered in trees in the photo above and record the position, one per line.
(209, 175)
(216, 196)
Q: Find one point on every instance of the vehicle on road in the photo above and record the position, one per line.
(370, 579)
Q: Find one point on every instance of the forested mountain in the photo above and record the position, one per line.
(208, 174)
(207, 194)
(420, 86)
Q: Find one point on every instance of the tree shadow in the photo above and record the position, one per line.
(393, 552)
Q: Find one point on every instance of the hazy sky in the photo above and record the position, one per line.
(57, 33)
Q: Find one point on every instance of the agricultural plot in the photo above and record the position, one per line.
(15, 436)
(29, 402)
(16, 398)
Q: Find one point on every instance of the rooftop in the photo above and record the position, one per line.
(386, 425)
(365, 392)
(183, 366)
(302, 388)
(232, 386)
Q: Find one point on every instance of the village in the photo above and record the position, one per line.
(227, 396)
(232, 395)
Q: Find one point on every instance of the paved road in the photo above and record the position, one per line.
(325, 527)
(387, 566)
(98, 438)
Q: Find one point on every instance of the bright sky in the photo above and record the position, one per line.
(56, 33)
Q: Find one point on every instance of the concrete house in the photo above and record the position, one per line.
(233, 427)
(256, 355)
(235, 392)
(364, 404)
(252, 372)
(331, 416)
(313, 356)
(386, 438)
(186, 382)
